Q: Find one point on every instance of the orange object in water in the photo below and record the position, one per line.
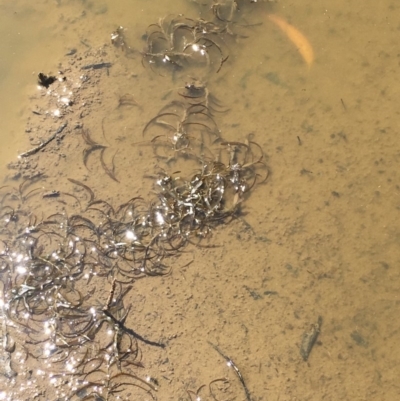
(298, 39)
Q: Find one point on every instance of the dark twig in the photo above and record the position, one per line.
(43, 144)
(122, 327)
(235, 368)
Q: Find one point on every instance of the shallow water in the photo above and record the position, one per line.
(319, 238)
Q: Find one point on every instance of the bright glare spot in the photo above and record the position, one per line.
(3, 395)
(195, 47)
(160, 218)
(65, 100)
(92, 310)
(21, 269)
(229, 364)
(130, 235)
(56, 113)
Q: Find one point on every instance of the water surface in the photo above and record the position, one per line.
(319, 238)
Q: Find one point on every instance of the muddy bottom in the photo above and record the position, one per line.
(202, 222)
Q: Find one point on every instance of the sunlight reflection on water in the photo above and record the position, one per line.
(323, 231)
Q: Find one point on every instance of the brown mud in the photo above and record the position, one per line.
(319, 238)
